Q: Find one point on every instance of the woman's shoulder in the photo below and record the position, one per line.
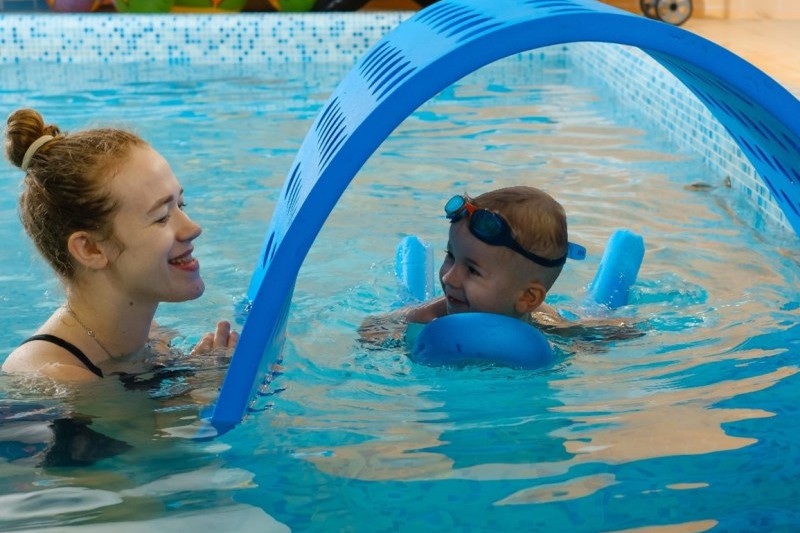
(39, 356)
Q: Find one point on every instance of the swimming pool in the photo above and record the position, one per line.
(689, 426)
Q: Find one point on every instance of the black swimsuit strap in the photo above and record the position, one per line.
(71, 348)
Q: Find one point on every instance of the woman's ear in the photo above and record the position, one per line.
(531, 298)
(85, 249)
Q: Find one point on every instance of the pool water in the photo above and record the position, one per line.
(688, 427)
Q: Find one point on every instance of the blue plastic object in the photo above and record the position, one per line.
(481, 338)
(618, 269)
(414, 269)
(426, 53)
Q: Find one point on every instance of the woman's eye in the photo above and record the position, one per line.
(163, 220)
(474, 271)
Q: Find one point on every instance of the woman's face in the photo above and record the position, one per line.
(151, 249)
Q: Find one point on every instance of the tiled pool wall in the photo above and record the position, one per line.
(187, 39)
(660, 97)
(45, 39)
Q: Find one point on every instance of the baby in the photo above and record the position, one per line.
(506, 248)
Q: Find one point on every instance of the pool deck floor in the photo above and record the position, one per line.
(771, 45)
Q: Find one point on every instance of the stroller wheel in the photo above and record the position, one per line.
(649, 8)
(675, 12)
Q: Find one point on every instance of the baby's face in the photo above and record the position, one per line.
(478, 277)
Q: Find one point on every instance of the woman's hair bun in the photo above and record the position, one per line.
(23, 128)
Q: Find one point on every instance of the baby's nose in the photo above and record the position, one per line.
(449, 276)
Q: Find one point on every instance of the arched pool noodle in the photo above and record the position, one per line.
(426, 53)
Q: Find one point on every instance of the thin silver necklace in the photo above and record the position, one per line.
(89, 332)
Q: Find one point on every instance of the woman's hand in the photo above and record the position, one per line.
(220, 342)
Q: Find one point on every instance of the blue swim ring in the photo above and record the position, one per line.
(481, 338)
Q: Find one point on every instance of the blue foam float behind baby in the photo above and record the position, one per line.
(484, 338)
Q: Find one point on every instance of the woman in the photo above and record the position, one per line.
(106, 211)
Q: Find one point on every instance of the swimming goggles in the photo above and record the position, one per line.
(494, 230)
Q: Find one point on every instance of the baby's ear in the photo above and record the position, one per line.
(85, 249)
(531, 298)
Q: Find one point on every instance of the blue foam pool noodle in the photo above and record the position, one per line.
(618, 269)
(414, 268)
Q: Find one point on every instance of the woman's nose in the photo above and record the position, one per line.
(188, 230)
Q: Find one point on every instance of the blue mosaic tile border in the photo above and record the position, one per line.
(191, 38)
(321, 37)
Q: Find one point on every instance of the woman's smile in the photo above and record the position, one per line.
(186, 262)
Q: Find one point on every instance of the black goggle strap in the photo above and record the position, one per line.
(576, 252)
(538, 259)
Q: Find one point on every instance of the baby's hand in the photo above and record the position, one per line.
(222, 341)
